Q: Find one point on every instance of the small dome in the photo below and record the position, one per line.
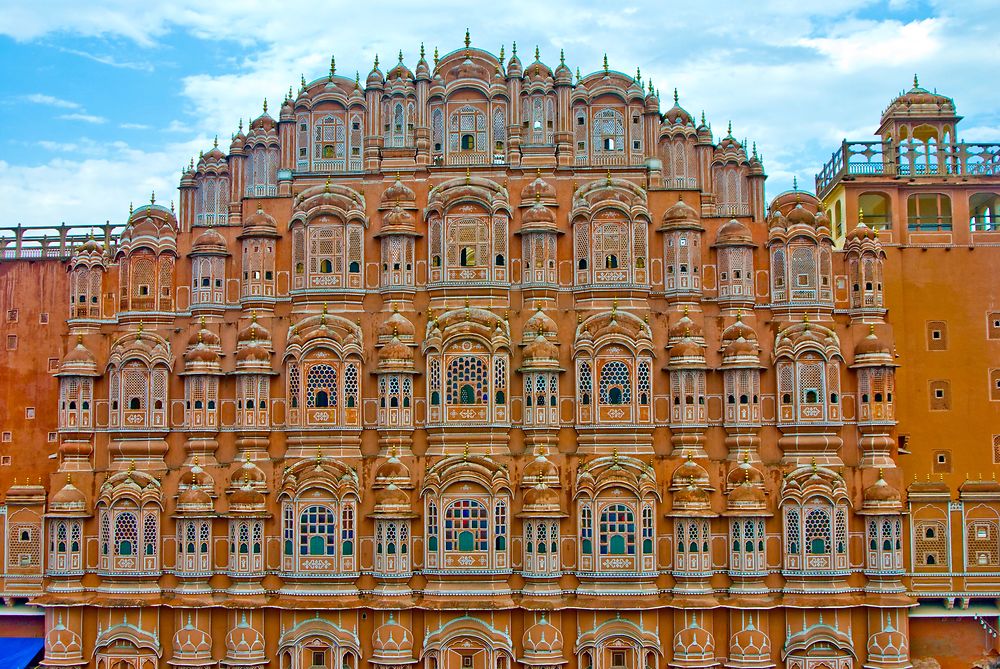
(62, 642)
(538, 190)
(691, 498)
(539, 323)
(750, 644)
(734, 233)
(542, 639)
(541, 349)
(540, 499)
(746, 497)
(253, 333)
(246, 499)
(210, 242)
(689, 471)
(192, 644)
(538, 216)
(686, 350)
(392, 470)
(79, 361)
(677, 115)
(872, 345)
(860, 233)
(888, 645)
(396, 325)
(260, 223)
(679, 214)
(201, 354)
(68, 498)
(194, 499)
(685, 327)
(391, 496)
(392, 641)
(801, 216)
(540, 467)
(204, 336)
(398, 193)
(397, 220)
(694, 643)
(248, 472)
(245, 642)
(395, 350)
(253, 355)
(881, 492)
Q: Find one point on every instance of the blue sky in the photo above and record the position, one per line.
(105, 101)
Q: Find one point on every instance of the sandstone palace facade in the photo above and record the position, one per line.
(485, 364)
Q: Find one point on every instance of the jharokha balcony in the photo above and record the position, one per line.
(910, 159)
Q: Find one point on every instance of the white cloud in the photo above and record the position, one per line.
(85, 118)
(51, 101)
(109, 60)
(797, 76)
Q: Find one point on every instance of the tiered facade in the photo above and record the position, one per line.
(468, 367)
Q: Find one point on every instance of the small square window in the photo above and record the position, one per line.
(5, 460)
(466, 661)
(53, 364)
(43, 318)
(53, 437)
(29, 413)
(939, 393)
(11, 342)
(935, 334)
(8, 437)
(635, 145)
(942, 458)
(303, 126)
(302, 153)
(580, 120)
(12, 315)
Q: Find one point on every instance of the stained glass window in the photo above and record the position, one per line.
(617, 530)
(465, 526)
(318, 531)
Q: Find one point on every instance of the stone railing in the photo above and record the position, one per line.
(908, 159)
(26, 243)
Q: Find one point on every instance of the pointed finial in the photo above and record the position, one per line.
(152, 197)
(578, 77)
(468, 39)
(502, 47)
(513, 49)
(916, 82)
(609, 176)
(605, 63)
(468, 175)
(638, 74)
(357, 78)
(675, 96)
(265, 105)
(537, 53)
(562, 57)
(435, 56)
(465, 452)
(795, 183)
(729, 130)
(421, 51)
(703, 117)
(302, 80)
(215, 142)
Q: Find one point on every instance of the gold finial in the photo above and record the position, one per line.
(265, 105)
(201, 321)
(614, 306)
(805, 317)
(468, 175)
(468, 39)
(326, 187)
(131, 466)
(79, 339)
(861, 216)
(138, 334)
(537, 53)
(605, 63)
(375, 66)
(501, 54)
(739, 315)
(152, 197)
(69, 478)
(302, 82)
(813, 464)
(871, 329)
(435, 56)
(215, 142)
(608, 177)
(614, 455)
(465, 452)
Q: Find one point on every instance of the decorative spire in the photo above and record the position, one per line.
(513, 50)
(501, 54)
(265, 105)
(605, 63)
(435, 56)
(302, 81)
(638, 75)
(215, 142)
(916, 82)
(578, 77)
(562, 57)
(468, 39)
(375, 66)
(333, 66)
(152, 197)
(795, 183)
(421, 51)
(675, 93)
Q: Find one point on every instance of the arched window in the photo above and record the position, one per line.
(616, 384)
(617, 530)
(466, 526)
(318, 531)
(984, 212)
(928, 212)
(876, 210)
